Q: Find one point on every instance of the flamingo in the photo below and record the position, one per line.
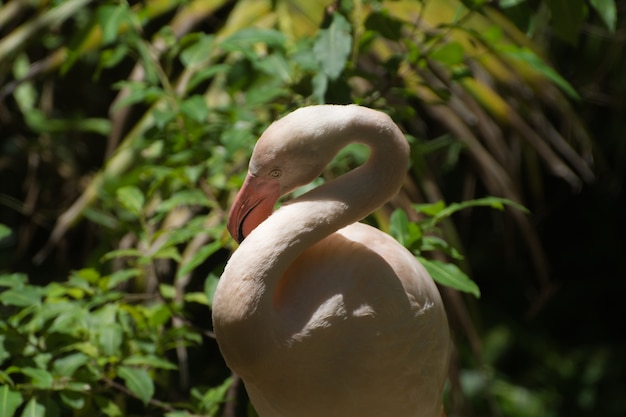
(320, 315)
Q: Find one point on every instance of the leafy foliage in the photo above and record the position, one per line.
(127, 126)
(78, 344)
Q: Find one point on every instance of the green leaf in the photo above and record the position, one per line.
(431, 243)
(430, 209)
(89, 275)
(4, 351)
(138, 381)
(200, 256)
(72, 321)
(169, 252)
(149, 361)
(9, 400)
(244, 39)
(177, 414)
(67, 365)
(22, 297)
(607, 11)
(265, 93)
(110, 18)
(110, 57)
(206, 73)
(167, 291)
(450, 275)
(13, 280)
(34, 409)
(5, 231)
(199, 52)
(195, 108)
(108, 407)
(493, 202)
(319, 83)
(276, 66)
(210, 284)
(211, 400)
(40, 378)
(504, 4)
(121, 276)
(73, 399)
(110, 339)
(197, 297)
(137, 91)
(399, 226)
(131, 198)
(451, 53)
(529, 57)
(118, 253)
(333, 45)
(192, 197)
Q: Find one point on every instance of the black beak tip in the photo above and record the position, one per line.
(240, 236)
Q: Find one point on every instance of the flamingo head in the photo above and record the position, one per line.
(292, 152)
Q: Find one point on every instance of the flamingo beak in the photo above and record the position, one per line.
(254, 203)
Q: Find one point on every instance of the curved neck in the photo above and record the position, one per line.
(257, 266)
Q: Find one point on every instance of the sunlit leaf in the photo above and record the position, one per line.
(450, 53)
(13, 280)
(509, 3)
(131, 198)
(333, 45)
(121, 253)
(184, 198)
(34, 409)
(4, 231)
(137, 92)
(22, 297)
(212, 400)
(121, 276)
(138, 382)
(607, 11)
(398, 226)
(210, 284)
(195, 108)
(110, 339)
(167, 291)
(40, 378)
(197, 297)
(168, 252)
(199, 52)
(243, 39)
(150, 361)
(430, 209)
(108, 407)
(73, 399)
(493, 202)
(110, 18)
(450, 275)
(10, 400)
(529, 57)
(67, 365)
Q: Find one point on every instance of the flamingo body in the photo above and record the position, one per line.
(318, 315)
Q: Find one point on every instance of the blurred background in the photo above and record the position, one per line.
(125, 132)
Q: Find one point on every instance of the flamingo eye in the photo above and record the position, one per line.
(275, 173)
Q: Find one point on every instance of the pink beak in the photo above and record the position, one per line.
(254, 203)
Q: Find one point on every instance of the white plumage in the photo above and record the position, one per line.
(319, 315)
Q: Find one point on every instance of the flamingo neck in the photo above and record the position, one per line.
(256, 267)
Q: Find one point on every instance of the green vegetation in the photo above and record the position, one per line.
(125, 133)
